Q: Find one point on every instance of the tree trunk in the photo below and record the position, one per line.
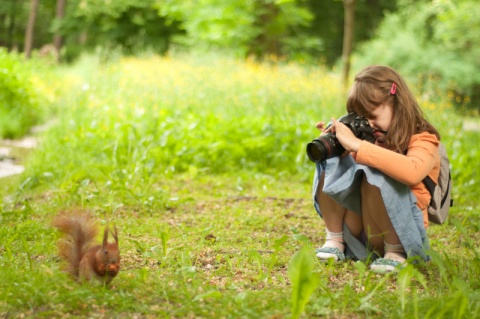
(57, 40)
(264, 43)
(30, 26)
(11, 26)
(348, 31)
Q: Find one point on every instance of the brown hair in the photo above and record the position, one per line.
(372, 88)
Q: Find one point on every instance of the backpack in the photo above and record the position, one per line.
(441, 192)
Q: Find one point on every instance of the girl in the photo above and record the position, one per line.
(373, 199)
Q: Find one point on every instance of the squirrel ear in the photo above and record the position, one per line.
(115, 233)
(105, 237)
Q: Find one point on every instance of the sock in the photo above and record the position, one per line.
(335, 240)
(395, 252)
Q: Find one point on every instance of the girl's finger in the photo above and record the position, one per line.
(320, 125)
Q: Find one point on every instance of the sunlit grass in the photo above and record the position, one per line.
(201, 164)
(160, 116)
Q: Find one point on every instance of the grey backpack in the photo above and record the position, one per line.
(441, 192)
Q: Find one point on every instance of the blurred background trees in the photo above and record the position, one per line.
(425, 39)
(294, 29)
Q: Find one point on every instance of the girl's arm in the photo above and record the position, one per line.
(410, 169)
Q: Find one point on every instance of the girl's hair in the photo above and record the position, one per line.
(372, 88)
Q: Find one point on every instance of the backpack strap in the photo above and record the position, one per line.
(446, 192)
(429, 184)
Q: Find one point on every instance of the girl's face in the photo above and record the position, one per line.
(380, 118)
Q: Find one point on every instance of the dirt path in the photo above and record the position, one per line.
(11, 155)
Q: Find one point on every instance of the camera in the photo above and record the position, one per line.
(327, 145)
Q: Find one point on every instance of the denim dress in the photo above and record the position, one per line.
(343, 177)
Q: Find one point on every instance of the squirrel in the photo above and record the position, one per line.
(85, 261)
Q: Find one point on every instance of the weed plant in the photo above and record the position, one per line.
(24, 94)
(201, 165)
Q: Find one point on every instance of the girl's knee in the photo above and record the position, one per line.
(368, 189)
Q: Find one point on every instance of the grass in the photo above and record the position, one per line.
(201, 165)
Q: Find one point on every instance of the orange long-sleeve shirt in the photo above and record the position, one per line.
(422, 159)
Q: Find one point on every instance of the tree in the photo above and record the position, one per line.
(30, 26)
(131, 26)
(58, 40)
(265, 43)
(9, 16)
(349, 13)
(250, 28)
(302, 30)
(328, 24)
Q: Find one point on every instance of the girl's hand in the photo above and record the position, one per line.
(345, 136)
(324, 128)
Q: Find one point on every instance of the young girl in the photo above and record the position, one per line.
(373, 199)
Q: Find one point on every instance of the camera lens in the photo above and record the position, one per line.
(316, 151)
(327, 145)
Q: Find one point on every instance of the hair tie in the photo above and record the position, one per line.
(393, 89)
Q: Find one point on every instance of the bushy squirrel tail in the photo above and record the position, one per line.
(79, 233)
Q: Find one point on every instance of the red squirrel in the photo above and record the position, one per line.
(85, 261)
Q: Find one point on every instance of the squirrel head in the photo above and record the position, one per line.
(110, 253)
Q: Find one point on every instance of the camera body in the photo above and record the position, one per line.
(327, 145)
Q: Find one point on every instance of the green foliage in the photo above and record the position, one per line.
(211, 22)
(128, 25)
(432, 42)
(406, 287)
(300, 30)
(258, 28)
(163, 120)
(304, 280)
(14, 16)
(19, 99)
(328, 25)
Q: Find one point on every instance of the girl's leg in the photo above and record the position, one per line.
(378, 226)
(334, 215)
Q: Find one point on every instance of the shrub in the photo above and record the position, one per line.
(432, 43)
(19, 101)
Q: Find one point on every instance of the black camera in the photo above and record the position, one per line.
(327, 145)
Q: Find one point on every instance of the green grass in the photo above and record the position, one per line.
(201, 165)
